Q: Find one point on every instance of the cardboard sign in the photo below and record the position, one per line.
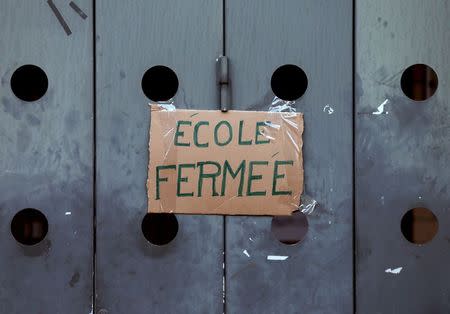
(236, 163)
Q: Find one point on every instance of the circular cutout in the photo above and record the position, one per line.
(29, 226)
(159, 83)
(29, 82)
(289, 82)
(159, 229)
(419, 225)
(419, 82)
(290, 229)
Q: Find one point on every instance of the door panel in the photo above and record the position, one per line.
(134, 276)
(316, 276)
(402, 156)
(46, 158)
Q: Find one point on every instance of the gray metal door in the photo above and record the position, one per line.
(133, 275)
(316, 36)
(46, 184)
(402, 156)
(76, 78)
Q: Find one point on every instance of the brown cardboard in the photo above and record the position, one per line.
(275, 153)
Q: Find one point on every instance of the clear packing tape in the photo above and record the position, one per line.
(237, 162)
(307, 203)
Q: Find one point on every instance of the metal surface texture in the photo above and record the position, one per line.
(402, 156)
(46, 159)
(132, 275)
(316, 276)
(80, 154)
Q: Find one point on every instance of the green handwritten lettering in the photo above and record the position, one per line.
(183, 179)
(241, 142)
(277, 176)
(179, 133)
(227, 168)
(197, 126)
(252, 177)
(202, 175)
(159, 179)
(216, 131)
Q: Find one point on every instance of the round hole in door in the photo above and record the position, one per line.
(289, 82)
(419, 225)
(290, 229)
(419, 82)
(29, 226)
(159, 228)
(29, 82)
(159, 83)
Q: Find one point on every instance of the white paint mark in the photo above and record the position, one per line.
(307, 205)
(277, 257)
(246, 253)
(380, 108)
(329, 222)
(328, 109)
(251, 239)
(394, 271)
(68, 213)
(420, 197)
(223, 289)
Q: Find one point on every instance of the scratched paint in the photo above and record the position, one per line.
(394, 271)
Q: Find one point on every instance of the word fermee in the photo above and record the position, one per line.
(219, 176)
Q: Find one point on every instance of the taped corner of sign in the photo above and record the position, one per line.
(229, 164)
(162, 107)
(155, 107)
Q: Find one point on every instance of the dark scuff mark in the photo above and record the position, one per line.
(74, 280)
